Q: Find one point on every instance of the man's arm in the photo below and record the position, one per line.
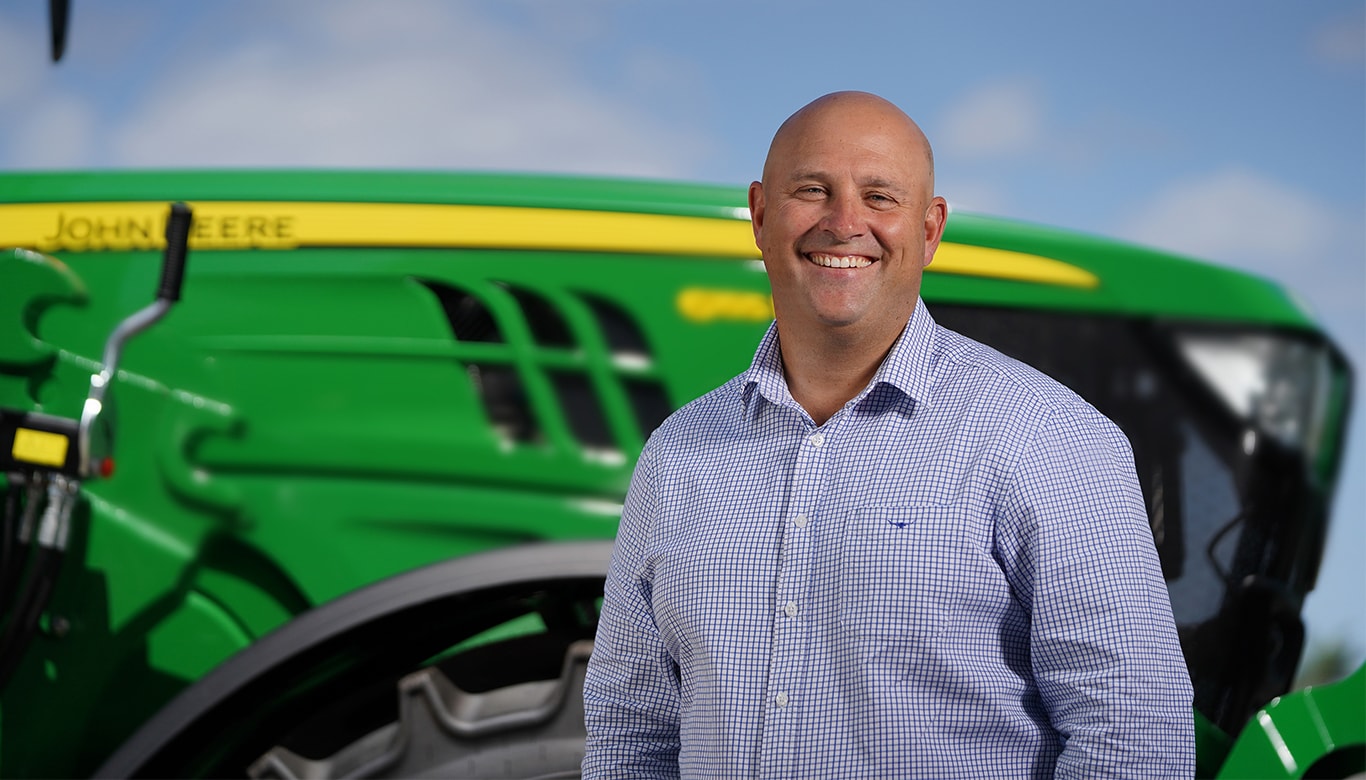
(631, 702)
(1104, 648)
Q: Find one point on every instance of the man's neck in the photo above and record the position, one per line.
(825, 369)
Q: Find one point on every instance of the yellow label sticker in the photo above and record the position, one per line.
(41, 447)
(700, 304)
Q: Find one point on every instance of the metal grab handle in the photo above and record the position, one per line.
(168, 292)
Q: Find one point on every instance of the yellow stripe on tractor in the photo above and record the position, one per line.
(86, 227)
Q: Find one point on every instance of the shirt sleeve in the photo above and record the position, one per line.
(1104, 649)
(631, 691)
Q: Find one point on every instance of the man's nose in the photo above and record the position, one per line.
(843, 218)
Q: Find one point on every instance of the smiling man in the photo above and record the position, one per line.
(885, 550)
(846, 219)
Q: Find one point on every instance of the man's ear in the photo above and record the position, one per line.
(936, 215)
(756, 210)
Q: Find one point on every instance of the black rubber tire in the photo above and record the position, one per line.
(359, 646)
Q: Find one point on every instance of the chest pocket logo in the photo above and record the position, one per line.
(899, 570)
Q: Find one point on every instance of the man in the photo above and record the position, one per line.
(885, 550)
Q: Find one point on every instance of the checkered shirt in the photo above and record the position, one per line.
(953, 577)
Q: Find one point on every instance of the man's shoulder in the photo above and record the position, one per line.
(704, 416)
(965, 365)
(1016, 396)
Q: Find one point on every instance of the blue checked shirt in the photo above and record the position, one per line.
(952, 577)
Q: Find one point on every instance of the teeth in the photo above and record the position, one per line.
(838, 261)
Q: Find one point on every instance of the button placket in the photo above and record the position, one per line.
(790, 636)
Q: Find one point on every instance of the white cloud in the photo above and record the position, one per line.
(56, 132)
(433, 86)
(1001, 119)
(1341, 41)
(47, 124)
(1244, 219)
(22, 62)
(981, 197)
(1236, 216)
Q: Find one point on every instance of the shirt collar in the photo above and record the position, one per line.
(906, 371)
(765, 374)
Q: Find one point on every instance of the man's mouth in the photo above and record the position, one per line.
(838, 261)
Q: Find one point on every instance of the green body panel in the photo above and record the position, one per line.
(1211, 746)
(1134, 280)
(1303, 730)
(494, 189)
(304, 423)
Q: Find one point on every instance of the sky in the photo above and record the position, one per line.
(1229, 130)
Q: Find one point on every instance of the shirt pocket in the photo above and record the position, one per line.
(897, 571)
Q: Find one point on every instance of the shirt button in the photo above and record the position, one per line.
(800, 521)
(780, 700)
(817, 439)
(790, 608)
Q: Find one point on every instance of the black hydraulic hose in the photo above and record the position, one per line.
(9, 530)
(17, 541)
(41, 577)
(21, 629)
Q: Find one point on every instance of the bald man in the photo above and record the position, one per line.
(884, 550)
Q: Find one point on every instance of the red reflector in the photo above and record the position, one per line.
(107, 467)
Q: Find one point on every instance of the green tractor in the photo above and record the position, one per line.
(346, 509)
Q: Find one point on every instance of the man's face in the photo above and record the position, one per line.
(846, 221)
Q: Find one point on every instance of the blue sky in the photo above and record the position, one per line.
(1234, 131)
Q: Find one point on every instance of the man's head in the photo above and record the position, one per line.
(846, 216)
